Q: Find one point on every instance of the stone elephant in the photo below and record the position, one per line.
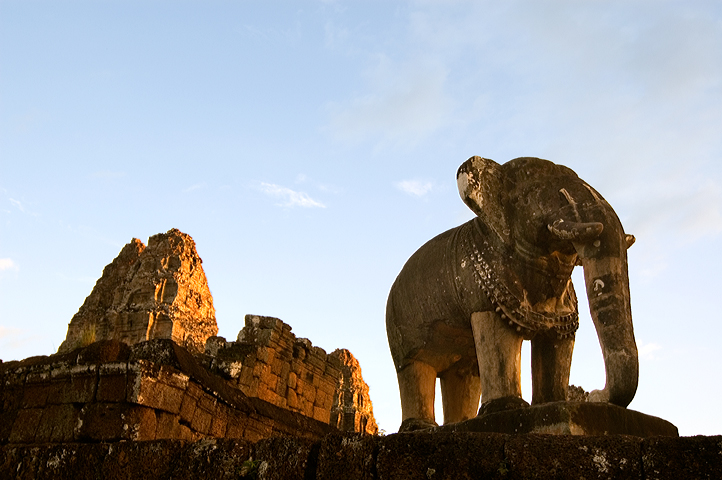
(464, 302)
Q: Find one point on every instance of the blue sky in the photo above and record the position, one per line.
(311, 147)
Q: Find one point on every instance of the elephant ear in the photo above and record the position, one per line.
(481, 186)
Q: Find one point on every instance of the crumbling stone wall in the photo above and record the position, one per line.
(352, 410)
(111, 392)
(158, 291)
(267, 361)
(268, 383)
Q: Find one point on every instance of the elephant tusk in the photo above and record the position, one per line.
(630, 239)
(575, 231)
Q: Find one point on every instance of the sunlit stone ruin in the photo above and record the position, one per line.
(142, 351)
(158, 291)
(143, 387)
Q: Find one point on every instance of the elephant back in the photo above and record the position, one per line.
(430, 304)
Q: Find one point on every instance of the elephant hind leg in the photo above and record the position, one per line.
(417, 386)
(460, 393)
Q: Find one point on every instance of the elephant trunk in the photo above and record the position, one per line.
(605, 274)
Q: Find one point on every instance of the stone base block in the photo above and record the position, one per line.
(568, 418)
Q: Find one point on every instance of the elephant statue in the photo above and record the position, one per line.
(464, 302)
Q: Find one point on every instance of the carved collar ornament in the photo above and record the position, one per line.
(491, 268)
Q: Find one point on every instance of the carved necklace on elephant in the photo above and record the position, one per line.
(509, 297)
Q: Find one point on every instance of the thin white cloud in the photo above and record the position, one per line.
(7, 332)
(106, 174)
(290, 198)
(17, 204)
(7, 264)
(646, 350)
(418, 188)
(196, 186)
(15, 338)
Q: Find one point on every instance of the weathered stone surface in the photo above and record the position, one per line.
(352, 410)
(152, 390)
(429, 456)
(158, 291)
(285, 458)
(691, 457)
(348, 456)
(112, 422)
(213, 458)
(568, 418)
(577, 394)
(563, 457)
(65, 461)
(147, 460)
(268, 362)
(408, 456)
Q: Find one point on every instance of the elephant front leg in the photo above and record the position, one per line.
(417, 386)
(551, 360)
(498, 351)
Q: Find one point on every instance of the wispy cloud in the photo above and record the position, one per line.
(6, 332)
(7, 264)
(290, 198)
(302, 178)
(418, 188)
(14, 338)
(646, 350)
(17, 204)
(105, 174)
(196, 186)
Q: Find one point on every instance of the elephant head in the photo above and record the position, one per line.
(544, 216)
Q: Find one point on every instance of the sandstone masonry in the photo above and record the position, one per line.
(158, 291)
(269, 383)
(109, 392)
(268, 362)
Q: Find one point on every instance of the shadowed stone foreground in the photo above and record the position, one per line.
(406, 456)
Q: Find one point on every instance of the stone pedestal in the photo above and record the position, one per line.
(568, 418)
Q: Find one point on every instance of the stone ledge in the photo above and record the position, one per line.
(568, 418)
(404, 456)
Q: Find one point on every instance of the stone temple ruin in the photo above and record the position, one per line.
(158, 291)
(142, 361)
